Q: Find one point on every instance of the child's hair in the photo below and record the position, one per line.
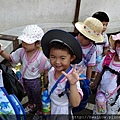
(86, 38)
(60, 45)
(102, 16)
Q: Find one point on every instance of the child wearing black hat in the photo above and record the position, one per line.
(58, 46)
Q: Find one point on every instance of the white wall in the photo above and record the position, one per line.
(56, 13)
(15, 13)
(111, 7)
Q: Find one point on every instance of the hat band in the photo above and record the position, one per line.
(91, 31)
(57, 40)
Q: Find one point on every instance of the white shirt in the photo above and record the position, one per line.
(55, 99)
(92, 60)
(108, 82)
(33, 66)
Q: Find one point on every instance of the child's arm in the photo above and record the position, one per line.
(89, 72)
(96, 81)
(75, 97)
(46, 77)
(4, 54)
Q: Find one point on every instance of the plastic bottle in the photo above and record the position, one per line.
(45, 103)
(100, 103)
(98, 59)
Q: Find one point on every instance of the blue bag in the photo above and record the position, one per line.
(84, 84)
(10, 107)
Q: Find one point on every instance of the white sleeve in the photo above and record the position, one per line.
(15, 56)
(79, 89)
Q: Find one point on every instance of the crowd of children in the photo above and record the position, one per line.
(90, 52)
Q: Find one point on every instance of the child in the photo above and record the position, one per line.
(30, 56)
(109, 80)
(102, 48)
(58, 46)
(89, 33)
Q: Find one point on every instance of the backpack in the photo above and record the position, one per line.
(106, 67)
(84, 84)
(10, 106)
(11, 83)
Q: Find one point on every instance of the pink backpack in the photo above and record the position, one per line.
(108, 58)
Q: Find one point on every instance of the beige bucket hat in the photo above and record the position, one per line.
(91, 28)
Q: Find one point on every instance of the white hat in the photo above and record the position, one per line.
(91, 28)
(31, 34)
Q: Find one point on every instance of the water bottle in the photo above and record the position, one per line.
(100, 103)
(18, 74)
(45, 103)
(99, 58)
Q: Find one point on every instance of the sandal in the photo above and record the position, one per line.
(30, 109)
(37, 117)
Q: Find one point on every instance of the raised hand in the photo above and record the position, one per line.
(74, 76)
(1, 49)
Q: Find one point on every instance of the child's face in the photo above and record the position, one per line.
(60, 59)
(105, 24)
(84, 41)
(29, 47)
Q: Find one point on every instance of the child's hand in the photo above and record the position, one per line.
(1, 49)
(92, 85)
(74, 76)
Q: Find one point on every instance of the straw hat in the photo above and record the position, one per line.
(91, 28)
(112, 40)
(63, 37)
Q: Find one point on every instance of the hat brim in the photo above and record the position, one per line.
(26, 39)
(95, 38)
(64, 36)
(112, 42)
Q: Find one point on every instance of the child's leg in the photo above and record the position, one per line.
(31, 106)
(36, 94)
(27, 87)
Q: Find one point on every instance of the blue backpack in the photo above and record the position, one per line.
(10, 106)
(84, 84)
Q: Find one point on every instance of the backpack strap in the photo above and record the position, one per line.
(108, 58)
(89, 54)
(42, 63)
(55, 85)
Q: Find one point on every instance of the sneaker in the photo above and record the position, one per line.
(30, 109)
(37, 117)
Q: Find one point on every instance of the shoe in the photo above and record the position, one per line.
(30, 109)
(37, 117)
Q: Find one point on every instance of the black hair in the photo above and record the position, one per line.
(60, 45)
(102, 16)
(87, 38)
(37, 42)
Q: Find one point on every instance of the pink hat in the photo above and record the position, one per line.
(113, 38)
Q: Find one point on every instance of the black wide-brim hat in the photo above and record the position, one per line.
(64, 37)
